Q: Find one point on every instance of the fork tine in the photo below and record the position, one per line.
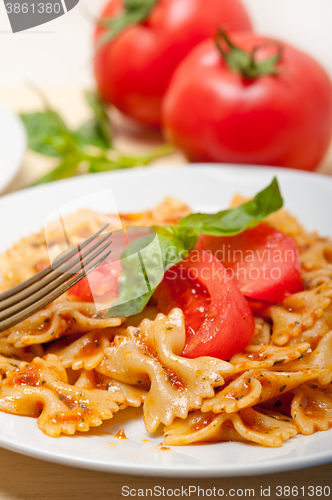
(63, 268)
(36, 277)
(42, 292)
(45, 301)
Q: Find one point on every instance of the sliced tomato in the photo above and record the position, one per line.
(180, 290)
(219, 321)
(82, 291)
(264, 262)
(102, 282)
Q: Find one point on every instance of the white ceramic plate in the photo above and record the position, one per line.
(308, 196)
(13, 144)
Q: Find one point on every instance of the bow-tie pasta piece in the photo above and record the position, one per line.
(8, 365)
(152, 353)
(255, 356)
(298, 312)
(314, 334)
(256, 386)
(262, 332)
(312, 408)
(87, 351)
(134, 396)
(317, 262)
(24, 259)
(62, 317)
(320, 358)
(41, 390)
(24, 353)
(31, 255)
(245, 425)
(287, 223)
(317, 277)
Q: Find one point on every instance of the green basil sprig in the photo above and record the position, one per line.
(235, 220)
(89, 148)
(175, 242)
(141, 276)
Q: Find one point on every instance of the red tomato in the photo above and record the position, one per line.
(102, 282)
(179, 290)
(214, 114)
(264, 262)
(134, 70)
(219, 321)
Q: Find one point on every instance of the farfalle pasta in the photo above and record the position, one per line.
(41, 389)
(72, 367)
(63, 317)
(312, 408)
(152, 353)
(266, 356)
(246, 425)
(257, 386)
(298, 312)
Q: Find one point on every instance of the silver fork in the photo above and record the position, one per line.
(35, 293)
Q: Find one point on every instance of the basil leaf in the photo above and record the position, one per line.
(89, 135)
(141, 275)
(65, 169)
(139, 279)
(236, 220)
(99, 109)
(49, 135)
(131, 307)
(105, 164)
(175, 243)
(47, 132)
(123, 162)
(97, 131)
(142, 270)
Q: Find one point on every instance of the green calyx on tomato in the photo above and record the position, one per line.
(175, 243)
(134, 12)
(247, 63)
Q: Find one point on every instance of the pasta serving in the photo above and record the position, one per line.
(72, 367)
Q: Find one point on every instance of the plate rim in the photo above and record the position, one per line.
(169, 167)
(178, 471)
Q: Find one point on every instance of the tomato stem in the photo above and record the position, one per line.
(134, 12)
(246, 63)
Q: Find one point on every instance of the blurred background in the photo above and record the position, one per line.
(60, 52)
(57, 57)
